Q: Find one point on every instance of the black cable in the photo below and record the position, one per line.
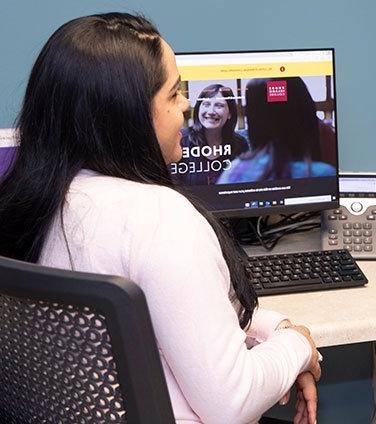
(260, 239)
(268, 234)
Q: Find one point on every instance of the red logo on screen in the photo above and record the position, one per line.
(276, 91)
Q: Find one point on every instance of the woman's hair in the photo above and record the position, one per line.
(88, 105)
(197, 132)
(288, 130)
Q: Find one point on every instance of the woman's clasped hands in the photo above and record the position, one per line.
(306, 391)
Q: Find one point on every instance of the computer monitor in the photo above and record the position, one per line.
(261, 135)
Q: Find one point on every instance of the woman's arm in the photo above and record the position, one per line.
(264, 323)
(178, 263)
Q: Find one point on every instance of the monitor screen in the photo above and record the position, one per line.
(260, 136)
(355, 184)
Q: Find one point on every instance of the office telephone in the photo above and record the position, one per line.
(352, 225)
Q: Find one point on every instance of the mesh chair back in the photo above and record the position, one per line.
(76, 348)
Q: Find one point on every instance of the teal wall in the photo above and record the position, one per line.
(196, 25)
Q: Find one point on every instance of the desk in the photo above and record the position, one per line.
(339, 320)
(335, 317)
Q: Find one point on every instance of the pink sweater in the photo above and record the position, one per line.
(155, 237)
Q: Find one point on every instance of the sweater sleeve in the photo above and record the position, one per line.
(263, 324)
(178, 263)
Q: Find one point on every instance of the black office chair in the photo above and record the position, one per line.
(77, 348)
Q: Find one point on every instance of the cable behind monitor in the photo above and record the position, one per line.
(268, 230)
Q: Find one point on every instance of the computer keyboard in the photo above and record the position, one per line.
(306, 271)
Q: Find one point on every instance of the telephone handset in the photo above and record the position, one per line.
(352, 225)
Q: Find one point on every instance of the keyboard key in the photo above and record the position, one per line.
(337, 279)
(295, 283)
(348, 266)
(274, 279)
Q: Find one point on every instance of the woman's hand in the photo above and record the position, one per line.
(306, 399)
(306, 403)
(314, 366)
(306, 392)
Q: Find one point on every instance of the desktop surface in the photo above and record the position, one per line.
(335, 317)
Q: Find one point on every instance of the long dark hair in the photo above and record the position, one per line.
(289, 130)
(196, 133)
(88, 105)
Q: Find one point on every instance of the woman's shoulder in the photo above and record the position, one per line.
(104, 189)
(322, 169)
(123, 196)
(245, 168)
(299, 169)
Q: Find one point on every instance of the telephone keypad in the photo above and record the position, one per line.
(341, 227)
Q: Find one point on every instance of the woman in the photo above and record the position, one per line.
(211, 143)
(284, 136)
(90, 191)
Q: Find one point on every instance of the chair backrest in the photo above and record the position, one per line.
(77, 348)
